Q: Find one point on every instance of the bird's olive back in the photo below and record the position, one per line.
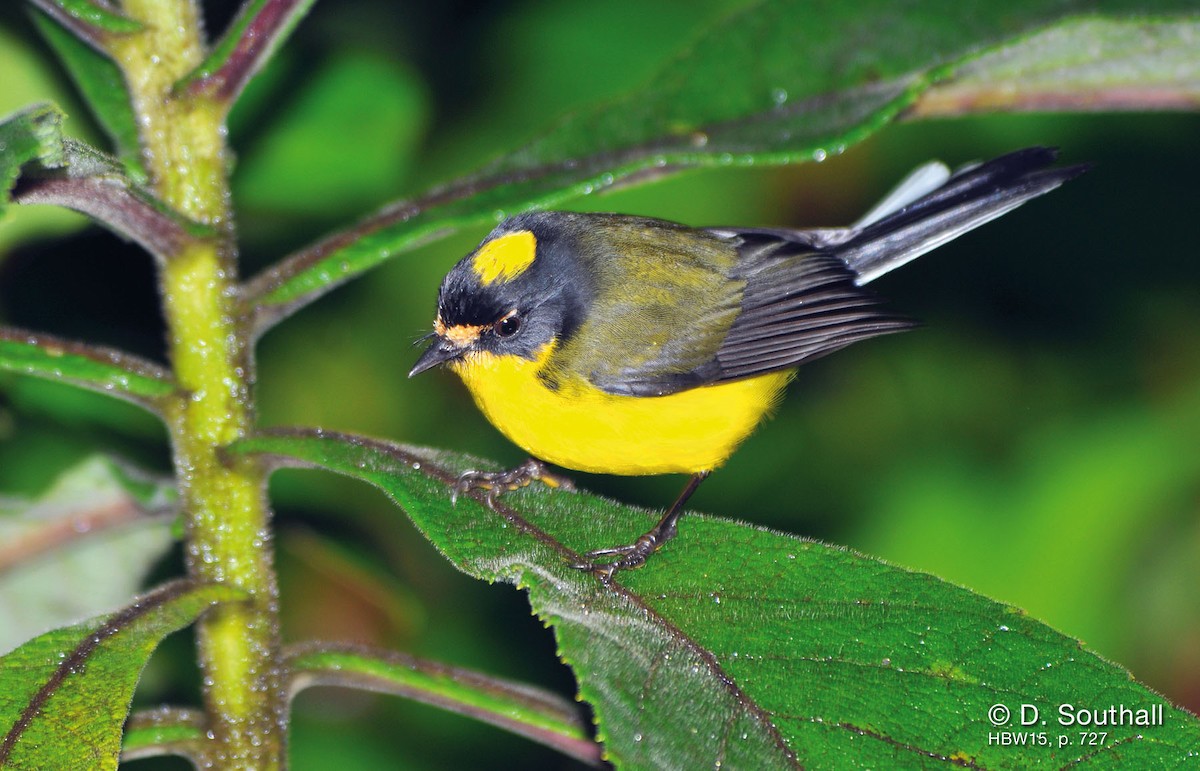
(664, 298)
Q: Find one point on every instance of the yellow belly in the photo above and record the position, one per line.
(580, 427)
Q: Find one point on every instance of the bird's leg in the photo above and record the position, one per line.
(634, 555)
(494, 483)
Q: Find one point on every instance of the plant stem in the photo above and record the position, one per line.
(183, 147)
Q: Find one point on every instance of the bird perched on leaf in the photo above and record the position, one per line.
(618, 344)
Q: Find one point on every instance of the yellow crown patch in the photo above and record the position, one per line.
(505, 258)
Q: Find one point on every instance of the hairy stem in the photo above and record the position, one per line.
(183, 147)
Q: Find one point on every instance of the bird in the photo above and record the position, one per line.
(627, 345)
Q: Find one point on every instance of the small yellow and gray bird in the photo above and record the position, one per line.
(617, 344)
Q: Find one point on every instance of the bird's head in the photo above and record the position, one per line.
(517, 292)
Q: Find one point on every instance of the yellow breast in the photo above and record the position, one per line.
(579, 427)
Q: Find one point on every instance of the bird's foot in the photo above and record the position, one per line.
(495, 483)
(634, 555)
(629, 556)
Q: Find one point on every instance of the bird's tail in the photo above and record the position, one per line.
(932, 206)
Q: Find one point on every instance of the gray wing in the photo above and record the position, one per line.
(798, 304)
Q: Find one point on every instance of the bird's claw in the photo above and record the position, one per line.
(495, 483)
(630, 556)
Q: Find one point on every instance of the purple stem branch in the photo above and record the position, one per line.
(246, 45)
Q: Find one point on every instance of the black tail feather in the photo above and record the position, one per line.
(972, 196)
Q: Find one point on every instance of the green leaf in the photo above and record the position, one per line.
(82, 548)
(33, 134)
(166, 731)
(92, 367)
(27, 80)
(102, 85)
(96, 16)
(525, 710)
(1080, 65)
(759, 649)
(64, 695)
(67, 172)
(783, 81)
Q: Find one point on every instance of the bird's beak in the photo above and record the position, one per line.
(439, 351)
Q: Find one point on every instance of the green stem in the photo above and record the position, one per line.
(183, 147)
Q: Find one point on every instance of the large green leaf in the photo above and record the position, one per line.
(80, 549)
(781, 82)
(64, 695)
(757, 649)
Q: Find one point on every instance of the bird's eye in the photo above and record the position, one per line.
(507, 326)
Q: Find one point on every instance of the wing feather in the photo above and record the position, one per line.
(796, 303)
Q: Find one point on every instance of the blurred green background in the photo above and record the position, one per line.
(1035, 441)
